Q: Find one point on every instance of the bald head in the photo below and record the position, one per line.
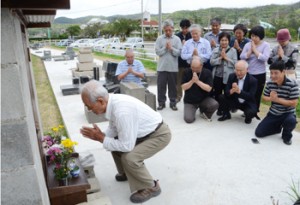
(196, 64)
(129, 55)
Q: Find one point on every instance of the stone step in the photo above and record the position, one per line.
(95, 185)
(97, 198)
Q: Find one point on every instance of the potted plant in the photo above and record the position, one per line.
(59, 150)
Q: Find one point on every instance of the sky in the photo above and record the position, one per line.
(81, 8)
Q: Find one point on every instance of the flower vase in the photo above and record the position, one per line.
(75, 172)
(63, 182)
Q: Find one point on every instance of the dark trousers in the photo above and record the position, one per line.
(165, 79)
(219, 87)
(261, 81)
(273, 124)
(227, 104)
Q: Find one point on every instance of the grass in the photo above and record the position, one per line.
(48, 108)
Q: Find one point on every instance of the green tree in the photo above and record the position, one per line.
(73, 30)
(92, 30)
(125, 26)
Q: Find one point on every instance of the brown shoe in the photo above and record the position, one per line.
(145, 194)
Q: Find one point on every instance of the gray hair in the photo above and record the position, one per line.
(196, 27)
(244, 63)
(168, 22)
(94, 89)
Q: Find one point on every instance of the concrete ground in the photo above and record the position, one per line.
(210, 163)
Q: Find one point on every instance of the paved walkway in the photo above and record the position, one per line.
(209, 163)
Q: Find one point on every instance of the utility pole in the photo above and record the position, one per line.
(142, 19)
(159, 18)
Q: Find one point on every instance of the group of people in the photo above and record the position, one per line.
(218, 73)
(223, 73)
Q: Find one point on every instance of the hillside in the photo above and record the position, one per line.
(202, 16)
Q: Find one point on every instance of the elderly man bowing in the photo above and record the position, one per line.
(135, 133)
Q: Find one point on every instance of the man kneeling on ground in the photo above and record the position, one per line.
(197, 84)
(239, 93)
(283, 93)
(135, 133)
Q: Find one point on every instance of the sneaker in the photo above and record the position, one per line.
(160, 107)
(121, 177)
(145, 194)
(173, 107)
(204, 116)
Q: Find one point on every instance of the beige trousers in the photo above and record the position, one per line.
(132, 163)
(179, 79)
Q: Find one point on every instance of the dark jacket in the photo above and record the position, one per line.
(247, 93)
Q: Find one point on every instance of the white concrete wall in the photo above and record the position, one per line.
(21, 169)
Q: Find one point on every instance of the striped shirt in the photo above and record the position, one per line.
(129, 119)
(289, 90)
(136, 66)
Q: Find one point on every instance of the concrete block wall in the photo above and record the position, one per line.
(22, 175)
(133, 89)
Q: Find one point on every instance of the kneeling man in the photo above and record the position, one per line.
(239, 93)
(197, 84)
(283, 93)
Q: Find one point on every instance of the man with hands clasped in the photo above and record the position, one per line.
(135, 133)
(130, 70)
(239, 93)
(283, 93)
(197, 46)
(168, 48)
(197, 84)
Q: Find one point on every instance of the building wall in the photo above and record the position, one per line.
(22, 177)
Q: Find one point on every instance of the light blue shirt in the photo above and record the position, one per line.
(211, 36)
(137, 66)
(203, 47)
